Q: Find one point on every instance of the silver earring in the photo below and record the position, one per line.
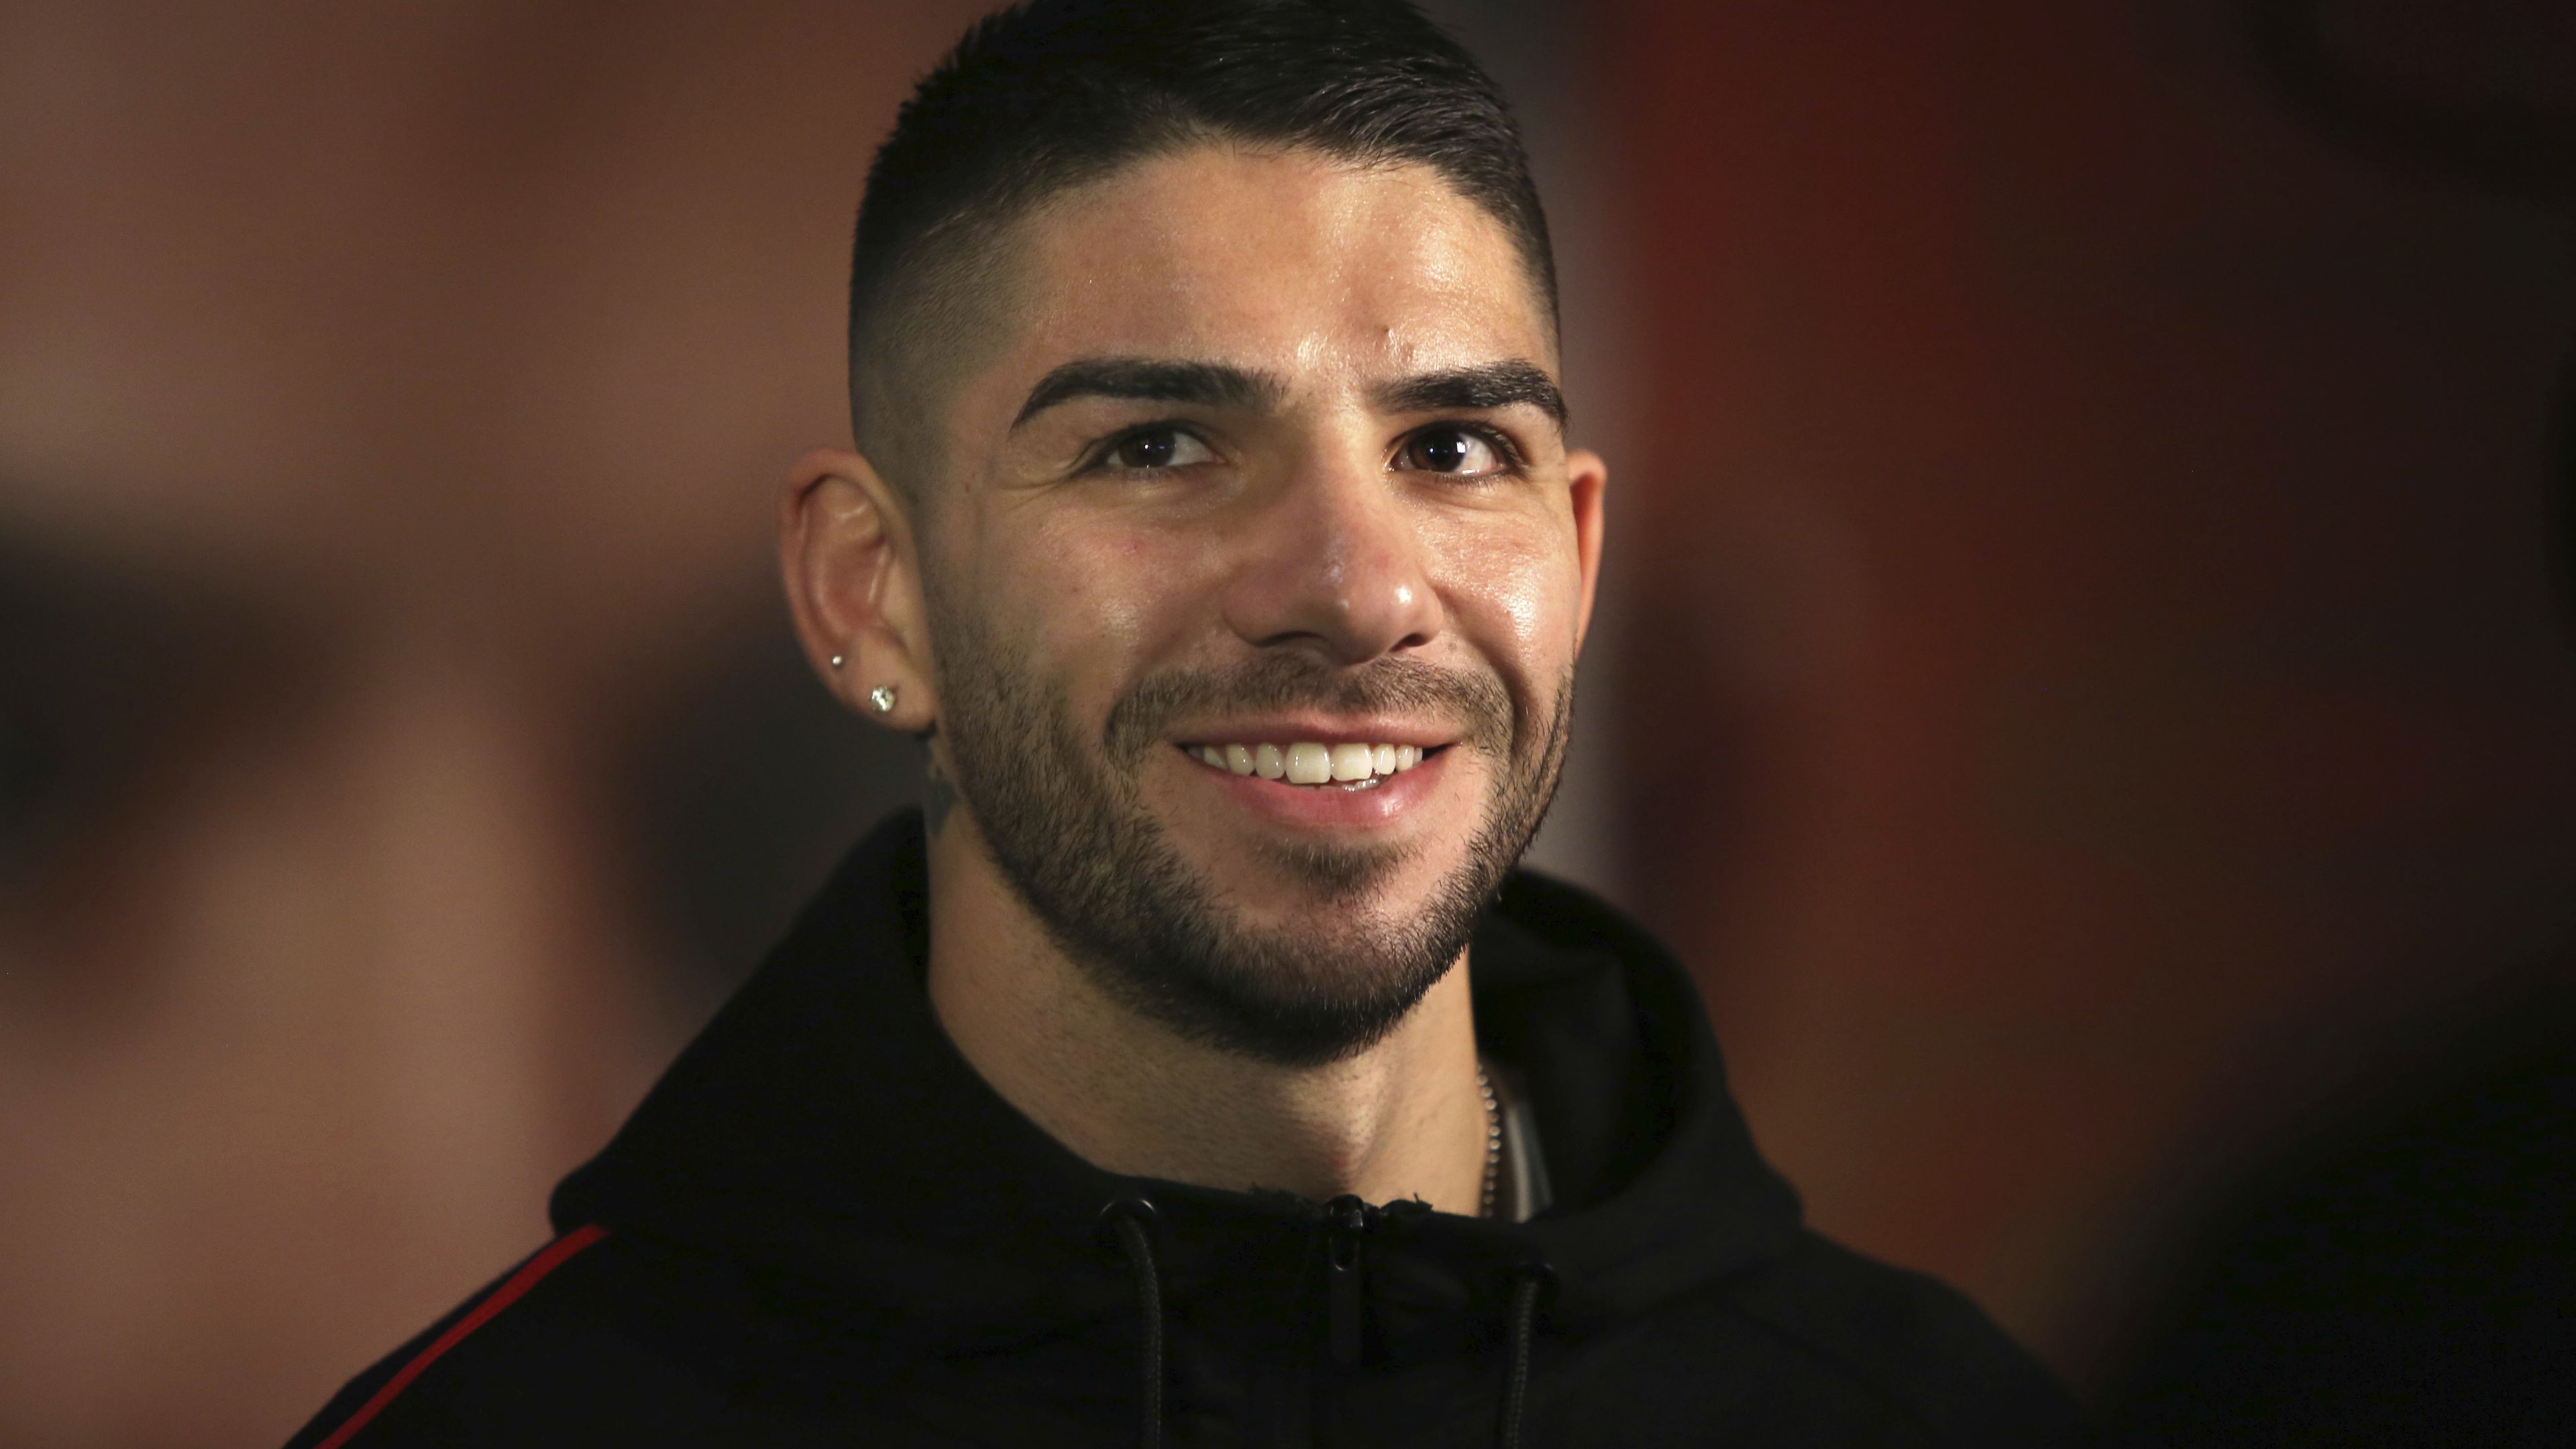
(837, 661)
(883, 698)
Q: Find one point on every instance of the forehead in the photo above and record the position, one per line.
(1294, 262)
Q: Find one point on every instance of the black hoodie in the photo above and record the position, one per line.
(822, 1227)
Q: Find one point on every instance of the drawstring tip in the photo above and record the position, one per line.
(1132, 1222)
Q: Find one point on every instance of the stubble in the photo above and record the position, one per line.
(1063, 819)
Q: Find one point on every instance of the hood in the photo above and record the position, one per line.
(824, 1127)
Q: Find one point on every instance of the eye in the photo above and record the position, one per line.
(1455, 449)
(1151, 449)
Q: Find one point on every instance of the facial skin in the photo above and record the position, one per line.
(1264, 451)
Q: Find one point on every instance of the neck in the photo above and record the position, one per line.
(1400, 1119)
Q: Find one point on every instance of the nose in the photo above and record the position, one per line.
(1336, 564)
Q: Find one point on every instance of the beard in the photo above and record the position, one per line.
(1064, 820)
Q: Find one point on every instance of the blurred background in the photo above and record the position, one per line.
(2084, 674)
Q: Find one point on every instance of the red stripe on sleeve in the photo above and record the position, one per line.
(553, 1256)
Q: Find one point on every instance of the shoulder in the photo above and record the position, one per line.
(596, 1337)
(1915, 1342)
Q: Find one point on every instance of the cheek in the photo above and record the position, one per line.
(1105, 601)
(1514, 588)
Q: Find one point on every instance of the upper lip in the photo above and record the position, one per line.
(1310, 729)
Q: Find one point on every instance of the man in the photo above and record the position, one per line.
(1196, 1067)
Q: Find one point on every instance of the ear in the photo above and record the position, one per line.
(848, 552)
(1587, 478)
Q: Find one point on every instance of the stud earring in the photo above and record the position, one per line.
(837, 661)
(883, 698)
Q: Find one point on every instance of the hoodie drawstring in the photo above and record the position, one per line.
(1525, 1290)
(1128, 1220)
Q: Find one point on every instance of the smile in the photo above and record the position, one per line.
(1350, 766)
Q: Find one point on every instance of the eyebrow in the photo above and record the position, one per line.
(1144, 379)
(1487, 385)
(1510, 383)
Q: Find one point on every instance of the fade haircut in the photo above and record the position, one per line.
(1045, 96)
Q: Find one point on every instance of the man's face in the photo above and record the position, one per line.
(1266, 482)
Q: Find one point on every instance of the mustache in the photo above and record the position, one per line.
(1476, 704)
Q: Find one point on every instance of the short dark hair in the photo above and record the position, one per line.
(1046, 95)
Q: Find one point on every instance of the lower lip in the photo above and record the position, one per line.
(1328, 806)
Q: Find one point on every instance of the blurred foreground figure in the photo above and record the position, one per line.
(1212, 522)
(2399, 1275)
(2404, 1281)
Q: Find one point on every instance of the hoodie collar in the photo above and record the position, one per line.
(824, 1126)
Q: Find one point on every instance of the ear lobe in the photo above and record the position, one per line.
(846, 553)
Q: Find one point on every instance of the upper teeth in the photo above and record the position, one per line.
(1307, 763)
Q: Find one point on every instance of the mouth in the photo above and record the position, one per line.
(1346, 765)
